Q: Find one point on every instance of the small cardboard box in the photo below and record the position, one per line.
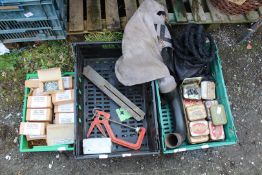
(30, 137)
(32, 128)
(38, 92)
(32, 83)
(63, 118)
(64, 108)
(68, 82)
(64, 97)
(50, 75)
(59, 134)
(39, 102)
(44, 115)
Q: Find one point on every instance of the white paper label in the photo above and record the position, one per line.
(126, 155)
(38, 114)
(66, 95)
(66, 108)
(39, 101)
(66, 118)
(32, 129)
(61, 148)
(29, 14)
(103, 156)
(66, 82)
(36, 136)
(205, 146)
(64, 141)
(219, 110)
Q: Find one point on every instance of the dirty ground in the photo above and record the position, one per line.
(243, 75)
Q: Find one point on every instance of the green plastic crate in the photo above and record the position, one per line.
(167, 125)
(23, 142)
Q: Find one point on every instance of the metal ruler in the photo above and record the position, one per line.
(113, 93)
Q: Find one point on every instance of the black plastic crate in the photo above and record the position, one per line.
(102, 57)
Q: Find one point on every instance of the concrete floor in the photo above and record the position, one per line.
(243, 77)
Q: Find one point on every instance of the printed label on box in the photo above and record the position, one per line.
(66, 118)
(38, 114)
(64, 141)
(32, 129)
(39, 101)
(63, 96)
(66, 108)
(66, 82)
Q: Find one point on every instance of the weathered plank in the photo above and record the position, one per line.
(130, 6)
(197, 10)
(93, 9)
(112, 16)
(9, 7)
(76, 15)
(216, 15)
(180, 11)
(252, 15)
(237, 18)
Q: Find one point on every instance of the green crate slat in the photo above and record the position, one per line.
(24, 147)
(166, 125)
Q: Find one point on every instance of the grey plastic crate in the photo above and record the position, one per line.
(102, 57)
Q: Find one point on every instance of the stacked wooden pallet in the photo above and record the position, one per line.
(95, 15)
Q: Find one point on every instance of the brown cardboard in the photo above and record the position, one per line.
(68, 82)
(64, 108)
(67, 96)
(38, 92)
(49, 75)
(39, 102)
(32, 83)
(32, 128)
(44, 115)
(63, 118)
(196, 112)
(60, 134)
(30, 137)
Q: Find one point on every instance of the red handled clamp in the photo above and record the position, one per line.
(102, 117)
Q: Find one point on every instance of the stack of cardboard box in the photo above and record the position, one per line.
(50, 108)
